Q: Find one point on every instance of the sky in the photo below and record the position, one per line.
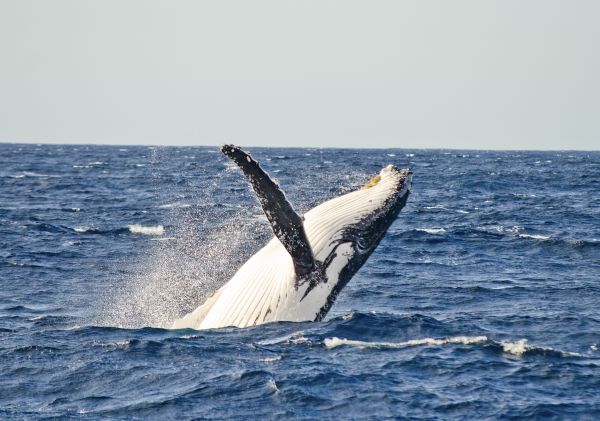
(460, 74)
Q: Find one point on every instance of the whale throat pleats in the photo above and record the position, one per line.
(286, 223)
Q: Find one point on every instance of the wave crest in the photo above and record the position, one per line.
(140, 229)
(465, 340)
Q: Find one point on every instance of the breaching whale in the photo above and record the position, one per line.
(299, 273)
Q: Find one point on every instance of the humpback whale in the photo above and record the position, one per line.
(300, 272)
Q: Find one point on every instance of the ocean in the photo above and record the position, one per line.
(481, 302)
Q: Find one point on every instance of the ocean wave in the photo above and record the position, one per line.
(140, 229)
(465, 340)
(433, 231)
(89, 165)
(33, 175)
(522, 346)
(534, 236)
(175, 205)
(134, 229)
(83, 229)
(270, 359)
(435, 207)
(512, 348)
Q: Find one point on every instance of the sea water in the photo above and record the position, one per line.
(482, 301)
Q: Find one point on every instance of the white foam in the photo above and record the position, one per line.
(82, 229)
(517, 348)
(433, 231)
(294, 338)
(270, 359)
(465, 340)
(535, 236)
(175, 205)
(31, 174)
(520, 347)
(139, 229)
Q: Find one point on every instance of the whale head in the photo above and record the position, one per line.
(344, 231)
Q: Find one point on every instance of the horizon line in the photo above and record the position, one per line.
(216, 145)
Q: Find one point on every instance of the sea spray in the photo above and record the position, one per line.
(207, 243)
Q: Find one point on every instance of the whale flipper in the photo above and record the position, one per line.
(286, 223)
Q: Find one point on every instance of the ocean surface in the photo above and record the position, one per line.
(482, 301)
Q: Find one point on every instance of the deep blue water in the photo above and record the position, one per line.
(483, 300)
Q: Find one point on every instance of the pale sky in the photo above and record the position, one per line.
(505, 74)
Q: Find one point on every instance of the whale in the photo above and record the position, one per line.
(299, 273)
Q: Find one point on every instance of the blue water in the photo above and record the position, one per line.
(483, 300)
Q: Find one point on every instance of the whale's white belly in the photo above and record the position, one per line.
(263, 290)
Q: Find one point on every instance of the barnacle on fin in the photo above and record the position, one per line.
(372, 182)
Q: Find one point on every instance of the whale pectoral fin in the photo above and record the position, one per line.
(285, 222)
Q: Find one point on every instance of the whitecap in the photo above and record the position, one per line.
(31, 174)
(82, 229)
(175, 205)
(534, 236)
(294, 338)
(520, 347)
(139, 229)
(433, 231)
(464, 340)
(517, 348)
(118, 344)
(270, 359)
